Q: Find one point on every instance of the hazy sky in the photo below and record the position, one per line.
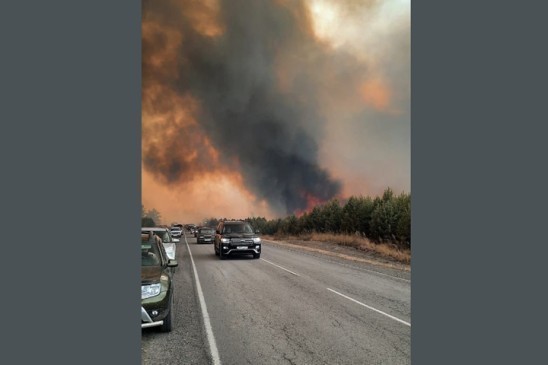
(265, 108)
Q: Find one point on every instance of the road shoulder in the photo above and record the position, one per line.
(341, 252)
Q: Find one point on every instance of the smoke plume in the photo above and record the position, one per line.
(237, 85)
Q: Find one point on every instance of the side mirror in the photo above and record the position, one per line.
(172, 263)
(257, 231)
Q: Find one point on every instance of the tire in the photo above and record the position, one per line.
(256, 255)
(167, 325)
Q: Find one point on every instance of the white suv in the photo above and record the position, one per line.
(176, 231)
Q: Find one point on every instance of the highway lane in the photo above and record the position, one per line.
(288, 307)
(379, 288)
(281, 311)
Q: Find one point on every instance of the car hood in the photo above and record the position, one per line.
(151, 274)
(239, 235)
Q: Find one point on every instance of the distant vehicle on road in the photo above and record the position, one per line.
(176, 231)
(156, 283)
(236, 238)
(191, 228)
(205, 235)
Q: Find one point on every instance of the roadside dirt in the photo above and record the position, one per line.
(343, 252)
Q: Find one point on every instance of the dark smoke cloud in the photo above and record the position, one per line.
(271, 133)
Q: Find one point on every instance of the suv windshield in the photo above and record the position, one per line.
(237, 228)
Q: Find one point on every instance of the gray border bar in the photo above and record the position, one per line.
(70, 148)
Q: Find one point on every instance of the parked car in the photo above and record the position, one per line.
(205, 235)
(156, 283)
(236, 238)
(166, 237)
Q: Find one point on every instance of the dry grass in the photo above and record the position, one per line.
(363, 244)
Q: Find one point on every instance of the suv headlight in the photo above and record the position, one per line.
(225, 240)
(149, 291)
(256, 239)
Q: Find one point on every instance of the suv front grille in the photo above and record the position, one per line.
(241, 241)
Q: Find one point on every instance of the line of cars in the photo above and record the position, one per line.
(157, 267)
(158, 249)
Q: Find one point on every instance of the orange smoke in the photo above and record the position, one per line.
(172, 139)
(217, 195)
(204, 17)
(202, 186)
(163, 60)
(376, 93)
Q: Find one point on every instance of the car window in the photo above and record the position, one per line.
(163, 253)
(150, 254)
(165, 237)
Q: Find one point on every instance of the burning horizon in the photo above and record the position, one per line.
(261, 108)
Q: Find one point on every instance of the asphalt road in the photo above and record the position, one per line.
(288, 307)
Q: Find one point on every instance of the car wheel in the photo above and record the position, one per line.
(166, 326)
(256, 255)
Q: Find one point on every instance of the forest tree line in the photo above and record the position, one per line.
(384, 219)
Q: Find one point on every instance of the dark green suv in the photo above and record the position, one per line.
(156, 283)
(205, 235)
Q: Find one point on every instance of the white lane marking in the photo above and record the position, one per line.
(209, 331)
(374, 309)
(283, 268)
(346, 265)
